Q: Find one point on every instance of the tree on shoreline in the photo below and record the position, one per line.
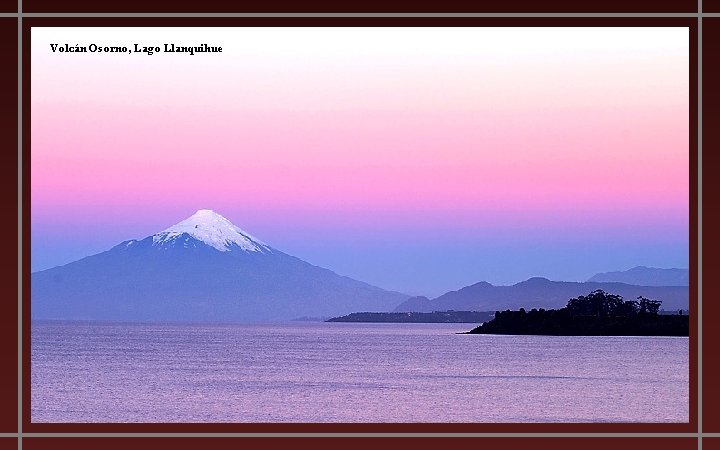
(602, 304)
(647, 306)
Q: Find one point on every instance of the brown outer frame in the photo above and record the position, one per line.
(711, 6)
(711, 244)
(690, 427)
(8, 6)
(333, 443)
(8, 196)
(377, 6)
(711, 393)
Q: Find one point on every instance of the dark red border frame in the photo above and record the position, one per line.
(334, 443)
(690, 427)
(8, 443)
(711, 243)
(328, 6)
(8, 197)
(711, 6)
(8, 6)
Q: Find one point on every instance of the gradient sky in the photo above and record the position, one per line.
(416, 159)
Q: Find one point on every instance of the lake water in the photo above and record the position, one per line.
(348, 372)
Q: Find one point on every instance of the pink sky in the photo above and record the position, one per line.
(396, 131)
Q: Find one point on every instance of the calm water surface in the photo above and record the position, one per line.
(343, 372)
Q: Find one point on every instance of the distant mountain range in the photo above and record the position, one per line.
(207, 269)
(646, 276)
(539, 293)
(201, 269)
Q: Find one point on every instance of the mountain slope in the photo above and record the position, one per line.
(202, 269)
(539, 293)
(646, 276)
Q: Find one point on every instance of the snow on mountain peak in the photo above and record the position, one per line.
(213, 229)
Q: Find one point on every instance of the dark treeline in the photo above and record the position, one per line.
(597, 314)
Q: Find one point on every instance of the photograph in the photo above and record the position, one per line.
(361, 225)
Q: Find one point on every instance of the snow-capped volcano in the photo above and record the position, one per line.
(204, 268)
(214, 230)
